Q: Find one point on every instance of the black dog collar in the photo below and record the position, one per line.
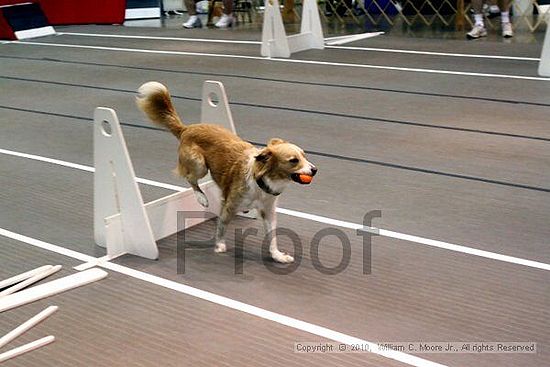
(260, 181)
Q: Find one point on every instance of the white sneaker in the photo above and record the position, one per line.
(477, 32)
(507, 31)
(193, 22)
(225, 21)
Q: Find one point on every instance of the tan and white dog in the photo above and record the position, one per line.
(249, 178)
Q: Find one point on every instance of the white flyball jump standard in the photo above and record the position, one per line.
(122, 222)
(544, 63)
(275, 42)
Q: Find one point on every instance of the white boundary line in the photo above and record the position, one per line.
(183, 39)
(231, 303)
(293, 61)
(433, 53)
(324, 220)
(374, 49)
(85, 168)
(46, 246)
(48, 160)
(419, 240)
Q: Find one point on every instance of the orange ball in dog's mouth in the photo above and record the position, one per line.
(301, 178)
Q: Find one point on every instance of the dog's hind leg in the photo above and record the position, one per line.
(193, 167)
(199, 194)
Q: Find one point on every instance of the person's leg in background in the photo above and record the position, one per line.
(288, 13)
(341, 7)
(227, 19)
(193, 21)
(478, 30)
(505, 22)
(493, 9)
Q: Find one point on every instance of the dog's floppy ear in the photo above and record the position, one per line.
(264, 155)
(275, 141)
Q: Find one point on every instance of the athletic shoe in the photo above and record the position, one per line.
(477, 31)
(507, 31)
(193, 22)
(225, 21)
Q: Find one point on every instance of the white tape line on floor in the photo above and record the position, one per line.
(324, 220)
(233, 304)
(292, 61)
(352, 48)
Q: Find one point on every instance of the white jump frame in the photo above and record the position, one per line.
(275, 42)
(122, 222)
(544, 63)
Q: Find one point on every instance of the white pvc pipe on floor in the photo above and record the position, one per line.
(23, 276)
(26, 348)
(51, 288)
(31, 280)
(27, 325)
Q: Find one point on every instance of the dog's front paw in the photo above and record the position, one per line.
(202, 199)
(220, 247)
(282, 258)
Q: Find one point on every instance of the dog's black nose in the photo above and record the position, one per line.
(313, 170)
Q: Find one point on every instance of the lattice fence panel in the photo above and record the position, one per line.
(429, 12)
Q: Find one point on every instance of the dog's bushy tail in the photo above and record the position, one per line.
(154, 99)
